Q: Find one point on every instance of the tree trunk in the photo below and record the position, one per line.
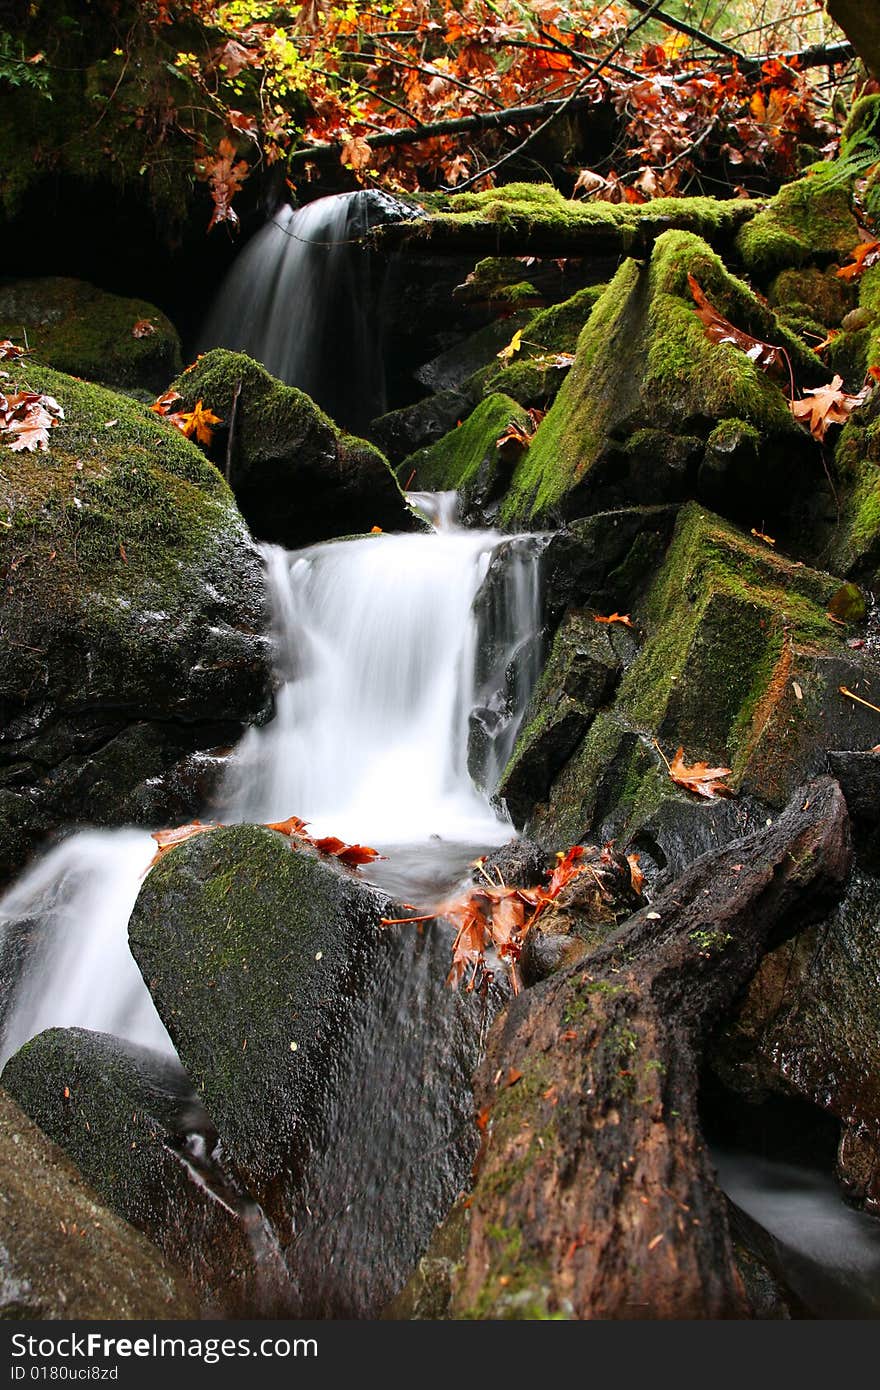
(595, 1196)
(860, 21)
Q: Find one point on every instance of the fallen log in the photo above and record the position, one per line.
(594, 1194)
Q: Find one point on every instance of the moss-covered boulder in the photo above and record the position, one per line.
(128, 1119)
(855, 541)
(470, 460)
(296, 477)
(809, 1026)
(648, 387)
(582, 670)
(822, 293)
(63, 1254)
(86, 332)
(328, 1049)
(741, 666)
(133, 613)
(212, 922)
(808, 220)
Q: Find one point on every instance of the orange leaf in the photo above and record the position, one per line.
(622, 618)
(637, 878)
(866, 254)
(827, 405)
(699, 777)
(721, 330)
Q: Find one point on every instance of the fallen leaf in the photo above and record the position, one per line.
(507, 353)
(9, 352)
(826, 406)
(144, 328)
(721, 330)
(623, 618)
(759, 536)
(637, 878)
(699, 777)
(866, 254)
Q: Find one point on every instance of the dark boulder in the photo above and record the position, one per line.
(63, 1254)
(326, 1047)
(133, 617)
(75, 328)
(296, 477)
(130, 1121)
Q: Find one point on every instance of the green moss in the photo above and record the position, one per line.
(809, 219)
(85, 332)
(644, 358)
(810, 290)
(530, 208)
(103, 525)
(725, 621)
(856, 542)
(457, 459)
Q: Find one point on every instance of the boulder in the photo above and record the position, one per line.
(631, 421)
(414, 427)
(76, 328)
(741, 667)
(296, 477)
(63, 1254)
(582, 671)
(133, 617)
(129, 1120)
(808, 220)
(326, 1048)
(469, 459)
(809, 1026)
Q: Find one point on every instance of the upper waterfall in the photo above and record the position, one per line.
(300, 298)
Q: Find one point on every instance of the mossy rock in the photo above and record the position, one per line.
(808, 220)
(133, 595)
(245, 941)
(75, 328)
(533, 377)
(741, 667)
(582, 670)
(296, 477)
(644, 362)
(468, 459)
(519, 218)
(63, 1254)
(855, 546)
(123, 1114)
(820, 293)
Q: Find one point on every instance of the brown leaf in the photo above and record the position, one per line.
(699, 777)
(144, 328)
(721, 330)
(826, 406)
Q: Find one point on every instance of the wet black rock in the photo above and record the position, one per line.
(63, 1254)
(129, 1119)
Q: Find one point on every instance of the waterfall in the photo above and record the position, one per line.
(378, 645)
(299, 299)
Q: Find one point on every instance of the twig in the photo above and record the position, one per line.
(858, 699)
(232, 416)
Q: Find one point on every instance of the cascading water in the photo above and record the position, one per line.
(299, 298)
(377, 644)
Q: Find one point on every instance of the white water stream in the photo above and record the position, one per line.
(376, 656)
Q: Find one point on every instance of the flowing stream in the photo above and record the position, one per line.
(376, 643)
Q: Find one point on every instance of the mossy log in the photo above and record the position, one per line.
(535, 219)
(595, 1195)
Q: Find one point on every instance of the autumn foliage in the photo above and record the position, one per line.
(293, 828)
(383, 90)
(492, 920)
